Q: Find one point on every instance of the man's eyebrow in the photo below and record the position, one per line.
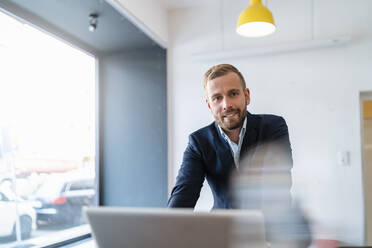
(215, 94)
(233, 90)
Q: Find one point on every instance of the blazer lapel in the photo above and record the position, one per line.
(223, 148)
(250, 138)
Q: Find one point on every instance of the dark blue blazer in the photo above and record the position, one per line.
(209, 156)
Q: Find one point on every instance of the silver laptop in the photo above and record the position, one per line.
(175, 228)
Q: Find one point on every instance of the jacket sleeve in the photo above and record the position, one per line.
(190, 178)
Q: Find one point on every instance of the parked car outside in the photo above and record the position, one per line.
(61, 200)
(8, 215)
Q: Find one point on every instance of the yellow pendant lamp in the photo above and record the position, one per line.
(256, 21)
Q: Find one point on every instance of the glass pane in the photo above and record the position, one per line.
(47, 134)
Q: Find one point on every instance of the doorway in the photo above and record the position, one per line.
(366, 125)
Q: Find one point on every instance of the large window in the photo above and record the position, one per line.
(47, 133)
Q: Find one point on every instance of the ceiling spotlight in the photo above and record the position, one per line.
(93, 21)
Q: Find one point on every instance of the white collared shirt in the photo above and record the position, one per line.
(235, 148)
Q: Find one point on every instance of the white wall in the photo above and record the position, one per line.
(316, 91)
(148, 15)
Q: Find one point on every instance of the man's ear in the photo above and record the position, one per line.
(247, 95)
(207, 102)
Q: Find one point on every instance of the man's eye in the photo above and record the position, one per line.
(234, 93)
(217, 98)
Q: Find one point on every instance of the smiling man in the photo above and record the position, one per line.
(236, 141)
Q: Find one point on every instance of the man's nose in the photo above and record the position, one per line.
(226, 103)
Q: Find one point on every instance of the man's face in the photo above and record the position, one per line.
(227, 101)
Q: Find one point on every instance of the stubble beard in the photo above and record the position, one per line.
(233, 125)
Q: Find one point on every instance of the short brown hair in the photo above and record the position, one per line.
(221, 70)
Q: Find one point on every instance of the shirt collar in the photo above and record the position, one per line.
(242, 131)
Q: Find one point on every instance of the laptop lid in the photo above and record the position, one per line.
(114, 227)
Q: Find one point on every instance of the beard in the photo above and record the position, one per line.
(235, 121)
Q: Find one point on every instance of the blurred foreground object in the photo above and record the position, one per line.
(264, 182)
(176, 228)
(324, 243)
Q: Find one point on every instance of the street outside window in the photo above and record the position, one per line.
(47, 134)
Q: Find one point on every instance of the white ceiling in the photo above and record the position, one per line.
(178, 4)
